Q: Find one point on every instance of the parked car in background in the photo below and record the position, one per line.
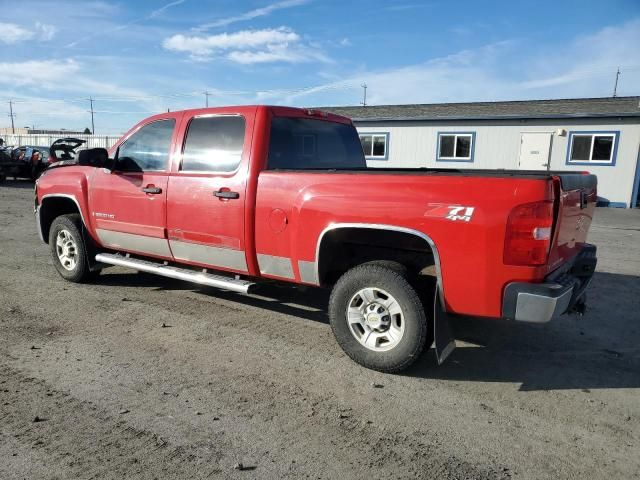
(17, 153)
(64, 149)
(29, 161)
(25, 161)
(5, 158)
(36, 158)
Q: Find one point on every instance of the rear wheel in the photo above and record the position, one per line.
(378, 318)
(68, 249)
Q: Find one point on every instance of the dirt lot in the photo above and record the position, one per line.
(92, 385)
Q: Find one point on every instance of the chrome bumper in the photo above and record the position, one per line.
(536, 303)
(562, 292)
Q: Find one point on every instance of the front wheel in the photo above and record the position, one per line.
(68, 249)
(377, 317)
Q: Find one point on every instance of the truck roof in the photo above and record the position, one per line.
(277, 110)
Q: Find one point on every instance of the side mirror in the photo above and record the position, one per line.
(94, 157)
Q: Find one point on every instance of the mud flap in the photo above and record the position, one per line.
(90, 251)
(443, 339)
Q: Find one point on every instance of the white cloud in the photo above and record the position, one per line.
(159, 11)
(247, 46)
(205, 46)
(11, 33)
(70, 84)
(277, 53)
(46, 74)
(250, 15)
(46, 32)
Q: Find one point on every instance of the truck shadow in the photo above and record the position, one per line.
(302, 302)
(599, 350)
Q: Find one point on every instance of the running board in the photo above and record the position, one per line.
(202, 278)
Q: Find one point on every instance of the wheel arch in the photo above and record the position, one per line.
(419, 240)
(52, 206)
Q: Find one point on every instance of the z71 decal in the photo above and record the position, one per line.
(450, 212)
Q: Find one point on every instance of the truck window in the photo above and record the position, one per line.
(147, 149)
(213, 144)
(307, 144)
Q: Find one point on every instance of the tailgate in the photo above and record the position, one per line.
(577, 196)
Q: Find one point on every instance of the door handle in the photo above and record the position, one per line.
(153, 190)
(226, 194)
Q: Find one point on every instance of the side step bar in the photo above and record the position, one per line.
(202, 278)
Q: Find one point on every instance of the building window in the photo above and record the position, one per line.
(456, 146)
(375, 145)
(592, 148)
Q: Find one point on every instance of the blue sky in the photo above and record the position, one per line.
(139, 58)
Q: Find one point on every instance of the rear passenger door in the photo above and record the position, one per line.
(206, 199)
(128, 204)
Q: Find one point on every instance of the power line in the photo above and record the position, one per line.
(192, 94)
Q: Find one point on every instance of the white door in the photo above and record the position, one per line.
(534, 151)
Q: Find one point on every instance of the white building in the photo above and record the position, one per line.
(601, 135)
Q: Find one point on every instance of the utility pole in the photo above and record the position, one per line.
(93, 128)
(12, 115)
(615, 87)
(364, 98)
(206, 98)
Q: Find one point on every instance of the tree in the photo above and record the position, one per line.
(87, 131)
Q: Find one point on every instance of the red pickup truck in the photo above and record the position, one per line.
(232, 197)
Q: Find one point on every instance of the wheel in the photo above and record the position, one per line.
(68, 249)
(35, 172)
(377, 317)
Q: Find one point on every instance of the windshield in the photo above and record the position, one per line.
(308, 144)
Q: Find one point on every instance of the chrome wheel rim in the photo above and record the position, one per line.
(375, 319)
(67, 250)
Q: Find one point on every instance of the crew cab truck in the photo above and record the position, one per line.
(232, 197)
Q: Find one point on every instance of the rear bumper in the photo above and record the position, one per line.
(560, 293)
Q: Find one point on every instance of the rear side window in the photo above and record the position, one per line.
(213, 144)
(147, 149)
(307, 144)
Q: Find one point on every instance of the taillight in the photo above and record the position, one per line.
(528, 236)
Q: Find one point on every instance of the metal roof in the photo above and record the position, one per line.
(564, 108)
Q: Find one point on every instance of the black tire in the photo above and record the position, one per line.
(36, 171)
(393, 280)
(72, 224)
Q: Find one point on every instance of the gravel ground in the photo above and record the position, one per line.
(93, 386)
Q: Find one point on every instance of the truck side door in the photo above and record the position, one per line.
(207, 189)
(128, 204)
